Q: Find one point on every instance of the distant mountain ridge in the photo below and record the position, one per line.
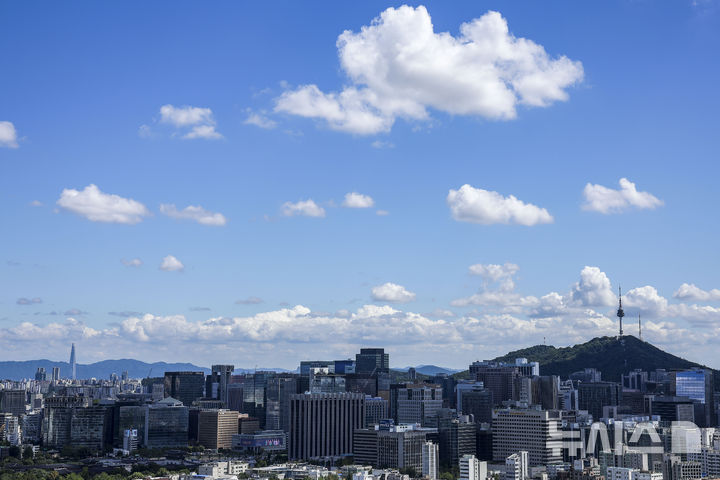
(18, 370)
(610, 355)
(429, 370)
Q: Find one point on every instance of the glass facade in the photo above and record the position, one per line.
(691, 384)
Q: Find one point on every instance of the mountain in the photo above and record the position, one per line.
(612, 356)
(12, 370)
(429, 370)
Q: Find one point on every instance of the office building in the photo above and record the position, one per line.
(371, 361)
(502, 378)
(477, 402)
(41, 374)
(673, 409)
(327, 383)
(216, 428)
(458, 437)
(674, 468)
(216, 384)
(91, 428)
(391, 446)
(262, 441)
(430, 460)
(376, 409)
(55, 374)
(13, 401)
(343, 367)
(472, 469)
(697, 385)
(166, 424)
(517, 466)
(417, 403)
(277, 401)
(535, 431)
(130, 440)
(593, 396)
(31, 424)
(322, 425)
(185, 387)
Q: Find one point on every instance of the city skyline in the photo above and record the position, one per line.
(256, 190)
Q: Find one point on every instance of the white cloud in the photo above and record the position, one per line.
(185, 116)
(203, 131)
(36, 203)
(171, 264)
(195, 213)
(475, 205)
(606, 200)
(306, 208)
(646, 299)
(358, 200)
(8, 135)
(398, 66)
(97, 206)
(593, 289)
(382, 213)
(260, 120)
(392, 292)
(494, 273)
(200, 121)
(688, 291)
(133, 262)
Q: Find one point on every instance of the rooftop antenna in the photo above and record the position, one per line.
(620, 312)
(639, 328)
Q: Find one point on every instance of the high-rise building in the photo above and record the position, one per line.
(673, 409)
(322, 425)
(184, 386)
(90, 427)
(166, 424)
(430, 460)
(478, 403)
(391, 446)
(517, 466)
(458, 437)
(371, 361)
(13, 401)
(502, 378)
(216, 428)
(594, 396)
(216, 384)
(41, 374)
(55, 374)
(376, 409)
(697, 385)
(535, 431)
(417, 403)
(73, 362)
(471, 468)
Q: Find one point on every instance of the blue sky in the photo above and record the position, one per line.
(283, 112)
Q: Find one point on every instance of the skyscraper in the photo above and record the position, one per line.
(535, 431)
(430, 460)
(216, 384)
(184, 386)
(73, 365)
(371, 361)
(313, 433)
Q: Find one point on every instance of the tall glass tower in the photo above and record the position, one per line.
(73, 365)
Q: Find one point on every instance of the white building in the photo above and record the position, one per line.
(517, 466)
(222, 469)
(472, 469)
(430, 460)
(535, 431)
(623, 473)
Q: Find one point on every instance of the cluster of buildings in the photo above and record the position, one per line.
(506, 421)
